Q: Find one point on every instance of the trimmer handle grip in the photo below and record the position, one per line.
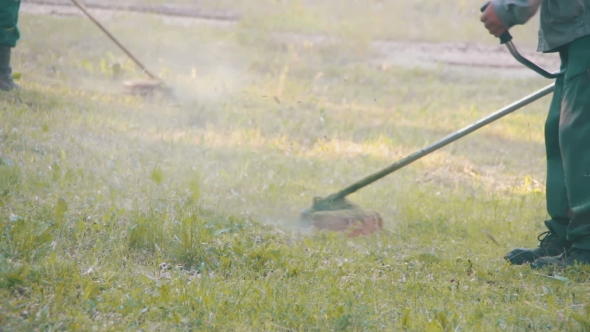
(506, 36)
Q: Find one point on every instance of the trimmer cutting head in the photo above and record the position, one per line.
(340, 215)
(329, 203)
(145, 88)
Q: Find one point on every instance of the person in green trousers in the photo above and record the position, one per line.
(9, 36)
(564, 28)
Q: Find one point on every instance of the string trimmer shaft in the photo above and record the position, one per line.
(337, 201)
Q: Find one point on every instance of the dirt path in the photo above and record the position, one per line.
(166, 10)
(474, 58)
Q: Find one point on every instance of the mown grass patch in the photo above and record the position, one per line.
(123, 213)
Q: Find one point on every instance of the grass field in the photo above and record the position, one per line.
(123, 213)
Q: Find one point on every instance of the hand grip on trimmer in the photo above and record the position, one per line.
(506, 36)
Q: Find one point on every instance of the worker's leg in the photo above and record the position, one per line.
(9, 36)
(557, 199)
(574, 141)
(554, 242)
(574, 135)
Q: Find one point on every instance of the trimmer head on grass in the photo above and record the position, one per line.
(336, 213)
(340, 215)
(146, 88)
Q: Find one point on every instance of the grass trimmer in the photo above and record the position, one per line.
(141, 87)
(335, 213)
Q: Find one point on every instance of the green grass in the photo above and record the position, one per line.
(122, 213)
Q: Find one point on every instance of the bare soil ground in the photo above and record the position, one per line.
(65, 6)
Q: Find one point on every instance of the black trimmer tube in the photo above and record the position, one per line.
(506, 39)
(334, 200)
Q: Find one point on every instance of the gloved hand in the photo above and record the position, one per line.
(492, 22)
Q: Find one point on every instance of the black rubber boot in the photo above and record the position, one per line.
(571, 257)
(6, 81)
(549, 245)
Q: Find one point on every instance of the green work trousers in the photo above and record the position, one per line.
(9, 34)
(567, 141)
